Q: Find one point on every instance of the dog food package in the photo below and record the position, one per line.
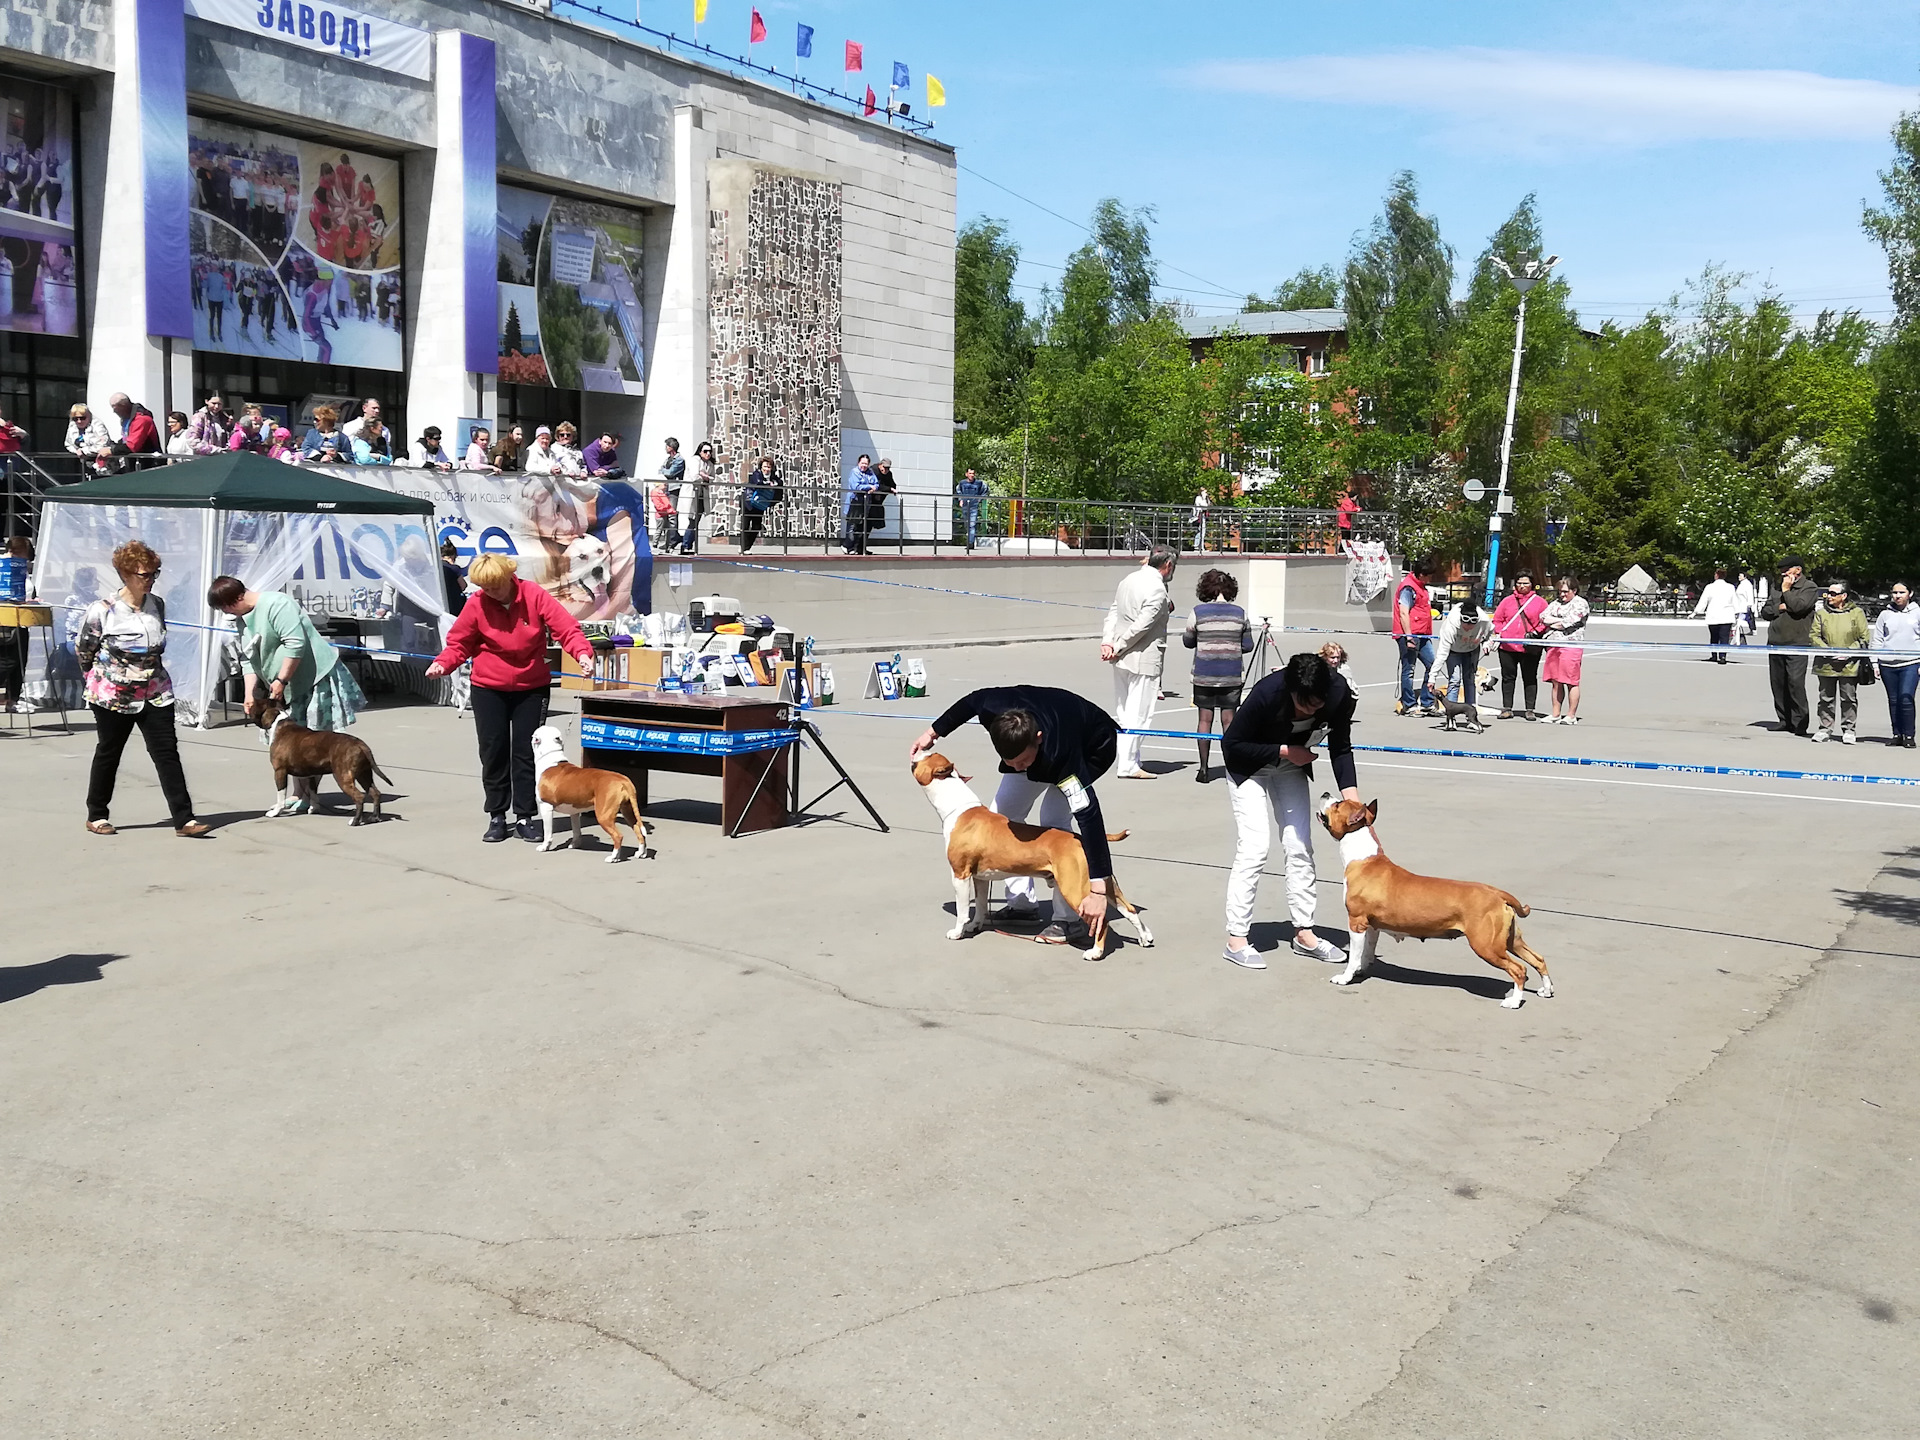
(824, 685)
(916, 679)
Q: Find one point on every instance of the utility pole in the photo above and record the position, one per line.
(1530, 274)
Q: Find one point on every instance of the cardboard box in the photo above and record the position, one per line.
(621, 666)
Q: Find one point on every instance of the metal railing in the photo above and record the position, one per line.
(1665, 603)
(909, 523)
(820, 520)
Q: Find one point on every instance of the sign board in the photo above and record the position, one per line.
(327, 29)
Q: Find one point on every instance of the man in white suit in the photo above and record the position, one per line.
(1134, 642)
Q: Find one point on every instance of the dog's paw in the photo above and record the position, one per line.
(1345, 977)
(1514, 1001)
(959, 932)
(1546, 989)
(547, 845)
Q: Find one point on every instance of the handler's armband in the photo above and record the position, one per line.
(1077, 797)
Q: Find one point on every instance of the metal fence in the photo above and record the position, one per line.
(903, 523)
(907, 523)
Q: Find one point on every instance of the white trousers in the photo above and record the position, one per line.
(1015, 799)
(1133, 697)
(1282, 791)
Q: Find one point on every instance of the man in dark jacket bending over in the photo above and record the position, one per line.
(1052, 745)
(1269, 755)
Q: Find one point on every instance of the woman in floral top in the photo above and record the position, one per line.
(122, 647)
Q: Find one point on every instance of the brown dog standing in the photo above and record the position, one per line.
(1382, 896)
(983, 846)
(566, 786)
(298, 752)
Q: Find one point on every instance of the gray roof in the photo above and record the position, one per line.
(1265, 322)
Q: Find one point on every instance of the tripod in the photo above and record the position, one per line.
(1266, 654)
(810, 732)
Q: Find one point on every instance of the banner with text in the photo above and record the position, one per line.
(329, 29)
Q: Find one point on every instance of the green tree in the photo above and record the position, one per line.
(1880, 478)
(1261, 420)
(992, 340)
(1399, 299)
(1309, 289)
(512, 341)
(1625, 460)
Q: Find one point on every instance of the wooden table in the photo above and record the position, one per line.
(742, 810)
(32, 615)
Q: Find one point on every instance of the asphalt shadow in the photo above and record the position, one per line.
(19, 981)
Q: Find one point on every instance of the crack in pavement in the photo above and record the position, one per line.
(1064, 1276)
(1245, 1044)
(483, 1241)
(519, 1307)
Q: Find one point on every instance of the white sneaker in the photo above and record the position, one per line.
(1846, 737)
(1246, 957)
(1819, 737)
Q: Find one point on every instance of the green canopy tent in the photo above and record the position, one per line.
(336, 545)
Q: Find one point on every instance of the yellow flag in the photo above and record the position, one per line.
(936, 93)
(699, 12)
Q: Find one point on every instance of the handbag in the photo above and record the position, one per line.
(1866, 676)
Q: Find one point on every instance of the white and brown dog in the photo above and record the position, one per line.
(983, 847)
(606, 795)
(1383, 897)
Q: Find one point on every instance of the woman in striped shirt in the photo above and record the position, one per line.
(1218, 634)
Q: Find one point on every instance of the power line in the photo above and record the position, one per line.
(1214, 286)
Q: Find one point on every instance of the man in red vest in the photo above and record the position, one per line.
(1413, 633)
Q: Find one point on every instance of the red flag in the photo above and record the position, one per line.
(853, 54)
(870, 105)
(758, 31)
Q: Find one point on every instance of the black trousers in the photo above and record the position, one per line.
(1721, 635)
(112, 730)
(1526, 664)
(1789, 676)
(504, 721)
(750, 523)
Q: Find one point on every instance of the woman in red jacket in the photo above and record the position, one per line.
(503, 630)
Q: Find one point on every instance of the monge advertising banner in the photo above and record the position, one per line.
(327, 29)
(584, 540)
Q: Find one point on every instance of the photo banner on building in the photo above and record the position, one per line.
(296, 248)
(39, 283)
(584, 540)
(328, 30)
(569, 297)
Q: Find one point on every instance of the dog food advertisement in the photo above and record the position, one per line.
(584, 540)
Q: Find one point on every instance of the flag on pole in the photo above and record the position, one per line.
(803, 42)
(871, 107)
(936, 93)
(901, 80)
(756, 29)
(699, 12)
(853, 54)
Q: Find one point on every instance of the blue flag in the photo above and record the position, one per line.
(901, 79)
(803, 41)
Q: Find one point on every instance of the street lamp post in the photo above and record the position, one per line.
(1530, 274)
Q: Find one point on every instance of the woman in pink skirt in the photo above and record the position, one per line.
(1564, 622)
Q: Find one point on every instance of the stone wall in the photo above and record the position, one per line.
(773, 305)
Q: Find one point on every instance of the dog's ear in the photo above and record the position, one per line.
(1373, 811)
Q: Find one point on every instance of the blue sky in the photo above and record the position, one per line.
(1658, 135)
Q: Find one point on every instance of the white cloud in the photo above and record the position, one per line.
(1517, 99)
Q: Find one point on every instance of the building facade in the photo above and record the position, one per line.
(479, 213)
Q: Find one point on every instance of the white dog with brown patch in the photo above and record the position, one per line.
(567, 788)
(983, 847)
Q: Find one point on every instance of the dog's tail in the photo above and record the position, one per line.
(378, 771)
(630, 801)
(1519, 906)
(1116, 834)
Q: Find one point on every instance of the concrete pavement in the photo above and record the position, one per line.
(386, 1132)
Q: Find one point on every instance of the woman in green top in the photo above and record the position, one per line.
(1839, 624)
(281, 650)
